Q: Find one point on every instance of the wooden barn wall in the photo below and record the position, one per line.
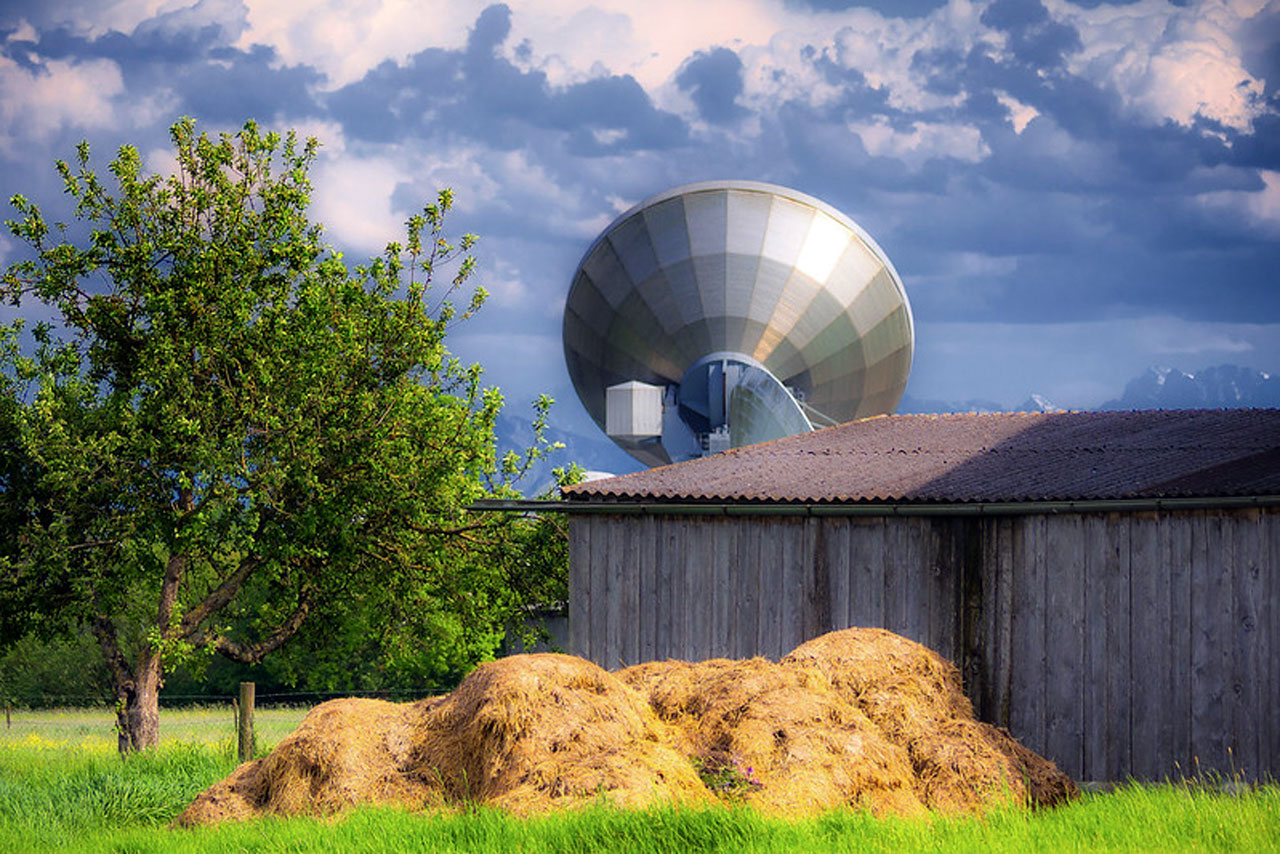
(1119, 645)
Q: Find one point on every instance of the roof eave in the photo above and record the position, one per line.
(596, 505)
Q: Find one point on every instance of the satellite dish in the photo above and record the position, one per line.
(726, 313)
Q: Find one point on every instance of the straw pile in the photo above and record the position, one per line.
(860, 718)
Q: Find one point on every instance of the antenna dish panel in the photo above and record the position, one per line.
(755, 312)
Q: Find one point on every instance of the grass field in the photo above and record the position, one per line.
(63, 788)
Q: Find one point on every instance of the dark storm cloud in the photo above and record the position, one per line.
(1034, 37)
(856, 96)
(188, 56)
(1261, 149)
(478, 94)
(713, 80)
(1141, 153)
(822, 157)
(1260, 45)
(39, 13)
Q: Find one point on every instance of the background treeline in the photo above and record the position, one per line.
(352, 658)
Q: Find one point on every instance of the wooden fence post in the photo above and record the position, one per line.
(244, 721)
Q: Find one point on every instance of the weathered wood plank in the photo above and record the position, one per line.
(668, 556)
(988, 705)
(737, 596)
(1209, 595)
(818, 606)
(792, 584)
(599, 588)
(772, 578)
(749, 568)
(679, 645)
(943, 539)
(614, 593)
(1247, 662)
(915, 570)
(970, 629)
(626, 578)
(579, 586)
(1177, 558)
(722, 592)
(835, 543)
(1027, 709)
(1149, 645)
(1119, 758)
(622, 548)
(1064, 642)
(1003, 628)
(866, 570)
(694, 589)
(1096, 610)
(1271, 739)
(899, 557)
(646, 548)
(1226, 644)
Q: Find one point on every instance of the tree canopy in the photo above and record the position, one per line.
(224, 432)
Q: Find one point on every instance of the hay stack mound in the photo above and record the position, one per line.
(914, 697)
(860, 718)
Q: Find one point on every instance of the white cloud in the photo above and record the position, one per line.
(352, 197)
(1020, 114)
(35, 104)
(24, 32)
(344, 39)
(648, 41)
(347, 38)
(1259, 209)
(461, 169)
(504, 282)
(1168, 63)
(923, 141)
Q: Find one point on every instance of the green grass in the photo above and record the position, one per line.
(62, 788)
(94, 729)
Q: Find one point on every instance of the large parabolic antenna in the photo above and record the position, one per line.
(726, 313)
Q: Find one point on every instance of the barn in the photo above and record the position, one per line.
(1107, 582)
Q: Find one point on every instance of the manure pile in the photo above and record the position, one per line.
(861, 718)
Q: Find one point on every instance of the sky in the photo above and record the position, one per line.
(1071, 190)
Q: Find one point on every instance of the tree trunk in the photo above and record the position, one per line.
(138, 706)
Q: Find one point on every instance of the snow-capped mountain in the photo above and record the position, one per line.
(912, 405)
(1219, 387)
(1034, 403)
(1038, 403)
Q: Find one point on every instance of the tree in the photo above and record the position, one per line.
(227, 432)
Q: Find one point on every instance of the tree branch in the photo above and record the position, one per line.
(105, 632)
(91, 544)
(217, 598)
(446, 532)
(173, 572)
(254, 653)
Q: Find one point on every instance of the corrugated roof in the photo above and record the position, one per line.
(994, 457)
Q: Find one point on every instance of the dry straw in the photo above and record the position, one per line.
(857, 718)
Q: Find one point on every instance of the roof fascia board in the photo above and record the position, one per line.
(1006, 508)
